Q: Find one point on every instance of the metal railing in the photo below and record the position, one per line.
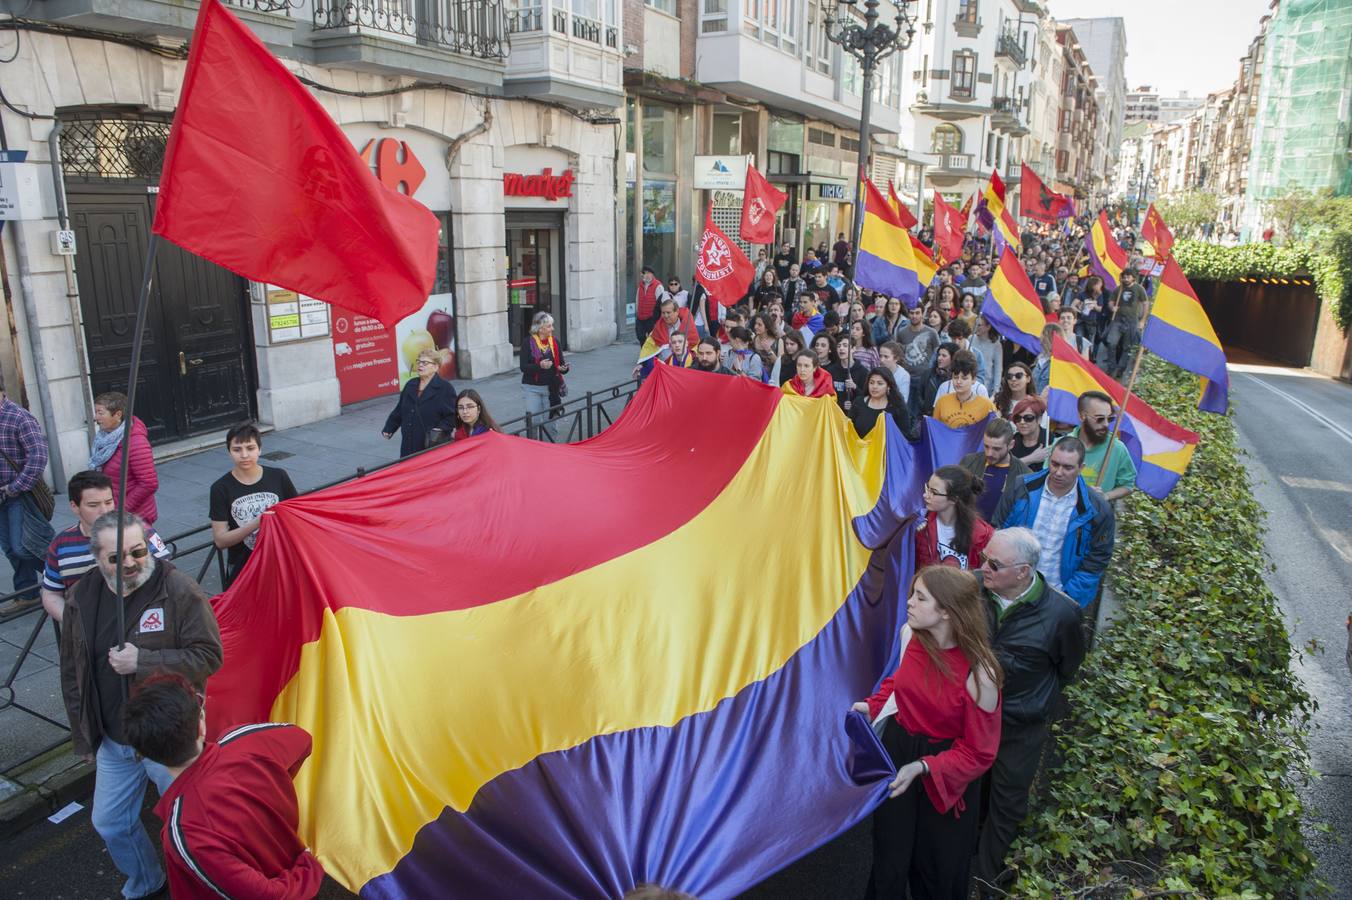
(1008, 45)
(470, 27)
(525, 20)
(573, 420)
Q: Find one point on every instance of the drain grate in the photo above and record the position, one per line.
(278, 455)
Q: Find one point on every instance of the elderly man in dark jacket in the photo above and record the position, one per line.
(1037, 637)
(167, 626)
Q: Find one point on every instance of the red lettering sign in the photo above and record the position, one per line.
(546, 184)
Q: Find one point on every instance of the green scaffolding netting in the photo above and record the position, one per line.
(1305, 101)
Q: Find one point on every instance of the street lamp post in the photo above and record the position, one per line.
(869, 43)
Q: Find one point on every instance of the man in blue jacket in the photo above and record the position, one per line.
(1073, 522)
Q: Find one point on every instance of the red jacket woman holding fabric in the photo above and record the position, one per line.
(944, 733)
(111, 417)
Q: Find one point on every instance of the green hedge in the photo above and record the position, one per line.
(1185, 746)
(1329, 264)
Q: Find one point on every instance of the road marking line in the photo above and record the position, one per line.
(1337, 429)
(1338, 541)
(1317, 484)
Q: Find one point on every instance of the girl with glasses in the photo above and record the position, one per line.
(471, 416)
(954, 534)
(1017, 385)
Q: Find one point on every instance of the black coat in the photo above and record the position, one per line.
(415, 415)
(1040, 647)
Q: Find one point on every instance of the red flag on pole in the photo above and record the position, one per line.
(908, 219)
(760, 201)
(1036, 201)
(1157, 233)
(721, 266)
(949, 228)
(259, 179)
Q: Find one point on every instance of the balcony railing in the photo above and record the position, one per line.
(560, 22)
(470, 27)
(1007, 45)
(522, 21)
(956, 162)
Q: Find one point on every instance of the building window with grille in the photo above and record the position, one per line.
(963, 83)
(946, 139)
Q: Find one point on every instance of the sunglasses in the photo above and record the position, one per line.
(1102, 420)
(996, 565)
(1012, 375)
(1026, 417)
(138, 553)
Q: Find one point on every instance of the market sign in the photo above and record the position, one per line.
(833, 192)
(546, 184)
(720, 173)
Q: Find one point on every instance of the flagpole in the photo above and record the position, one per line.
(138, 339)
(1122, 414)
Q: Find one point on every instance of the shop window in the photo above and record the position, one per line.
(946, 139)
(659, 139)
(786, 135)
(963, 83)
(777, 163)
(445, 279)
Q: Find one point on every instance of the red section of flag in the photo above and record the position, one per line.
(1157, 233)
(259, 179)
(967, 206)
(949, 228)
(1037, 201)
(760, 201)
(997, 186)
(721, 266)
(904, 214)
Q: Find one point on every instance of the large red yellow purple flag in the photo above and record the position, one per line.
(556, 686)
(1180, 331)
(1160, 448)
(886, 261)
(258, 178)
(1012, 306)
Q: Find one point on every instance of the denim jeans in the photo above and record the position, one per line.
(536, 397)
(119, 789)
(26, 567)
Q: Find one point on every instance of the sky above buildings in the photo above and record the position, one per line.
(1178, 45)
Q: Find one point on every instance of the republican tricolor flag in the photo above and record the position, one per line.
(1012, 306)
(1107, 259)
(1180, 331)
(1160, 449)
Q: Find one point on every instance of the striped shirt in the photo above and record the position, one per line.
(22, 441)
(70, 556)
(1053, 516)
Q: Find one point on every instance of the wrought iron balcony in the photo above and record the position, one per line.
(1008, 46)
(475, 28)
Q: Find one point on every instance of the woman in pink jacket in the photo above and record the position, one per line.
(110, 414)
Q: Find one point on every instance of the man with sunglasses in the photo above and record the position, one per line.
(1036, 635)
(1097, 419)
(167, 626)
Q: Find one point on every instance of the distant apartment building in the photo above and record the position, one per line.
(1144, 104)
(1104, 41)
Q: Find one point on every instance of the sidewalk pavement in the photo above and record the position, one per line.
(313, 454)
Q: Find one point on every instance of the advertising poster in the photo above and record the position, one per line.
(432, 327)
(659, 207)
(364, 356)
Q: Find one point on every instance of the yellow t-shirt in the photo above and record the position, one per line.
(956, 414)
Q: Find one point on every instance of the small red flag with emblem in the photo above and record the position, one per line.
(258, 178)
(721, 266)
(1157, 233)
(1037, 201)
(949, 230)
(760, 201)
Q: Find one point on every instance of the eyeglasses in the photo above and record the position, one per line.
(932, 492)
(996, 565)
(425, 362)
(1012, 375)
(464, 406)
(1026, 417)
(1101, 420)
(138, 553)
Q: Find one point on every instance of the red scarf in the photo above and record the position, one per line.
(822, 385)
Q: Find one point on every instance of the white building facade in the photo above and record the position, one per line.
(477, 139)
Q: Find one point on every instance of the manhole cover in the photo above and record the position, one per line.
(278, 455)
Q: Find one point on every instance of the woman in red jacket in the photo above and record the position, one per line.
(953, 533)
(110, 414)
(945, 733)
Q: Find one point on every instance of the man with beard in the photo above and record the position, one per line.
(1097, 417)
(167, 626)
(708, 357)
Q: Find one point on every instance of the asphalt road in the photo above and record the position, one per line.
(1298, 431)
